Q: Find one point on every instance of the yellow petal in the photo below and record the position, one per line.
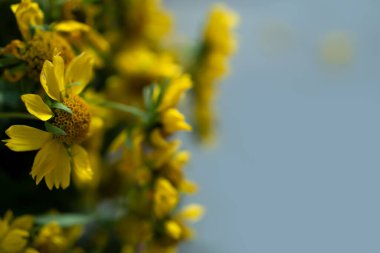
(173, 229)
(25, 138)
(71, 26)
(82, 167)
(174, 121)
(79, 73)
(49, 81)
(24, 222)
(59, 68)
(46, 159)
(175, 91)
(28, 14)
(36, 106)
(59, 176)
(192, 212)
(14, 241)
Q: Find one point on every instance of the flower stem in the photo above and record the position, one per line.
(120, 107)
(16, 115)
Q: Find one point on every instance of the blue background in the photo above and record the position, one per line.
(297, 167)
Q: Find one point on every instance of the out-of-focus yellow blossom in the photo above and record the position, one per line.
(132, 153)
(139, 67)
(141, 62)
(82, 11)
(59, 152)
(218, 32)
(146, 20)
(53, 239)
(84, 38)
(174, 121)
(38, 44)
(14, 233)
(211, 65)
(28, 14)
(135, 230)
(337, 48)
(165, 197)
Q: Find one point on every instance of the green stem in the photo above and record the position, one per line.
(16, 115)
(120, 107)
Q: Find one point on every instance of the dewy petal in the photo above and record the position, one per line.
(26, 138)
(49, 81)
(79, 73)
(59, 176)
(47, 159)
(82, 167)
(36, 106)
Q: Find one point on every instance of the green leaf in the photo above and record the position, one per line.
(148, 97)
(54, 130)
(164, 86)
(8, 61)
(64, 220)
(61, 106)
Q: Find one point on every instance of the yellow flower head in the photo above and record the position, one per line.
(174, 121)
(218, 33)
(147, 20)
(165, 198)
(54, 239)
(142, 62)
(67, 120)
(27, 14)
(14, 233)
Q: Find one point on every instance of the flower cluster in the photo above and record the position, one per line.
(90, 94)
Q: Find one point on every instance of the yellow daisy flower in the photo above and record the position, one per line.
(67, 121)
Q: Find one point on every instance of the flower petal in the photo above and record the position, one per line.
(36, 106)
(59, 176)
(79, 72)
(26, 138)
(47, 159)
(59, 70)
(71, 26)
(49, 81)
(82, 167)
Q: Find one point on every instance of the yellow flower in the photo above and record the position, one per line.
(192, 212)
(173, 121)
(175, 92)
(219, 43)
(218, 33)
(68, 123)
(165, 197)
(53, 239)
(142, 62)
(146, 20)
(38, 43)
(27, 14)
(14, 233)
(173, 229)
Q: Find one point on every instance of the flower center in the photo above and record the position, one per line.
(41, 47)
(77, 124)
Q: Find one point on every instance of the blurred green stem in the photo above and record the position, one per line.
(16, 115)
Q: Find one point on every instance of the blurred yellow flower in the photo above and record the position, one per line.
(14, 233)
(52, 238)
(165, 197)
